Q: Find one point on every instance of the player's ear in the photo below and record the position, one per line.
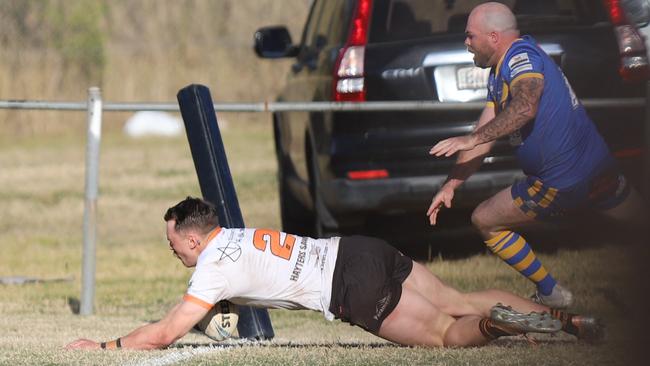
(193, 240)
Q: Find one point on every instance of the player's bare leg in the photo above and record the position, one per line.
(455, 303)
(417, 322)
(494, 218)
(481, 303)
(499, 213)
(447, 299)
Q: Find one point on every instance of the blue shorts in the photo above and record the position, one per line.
(543, 202)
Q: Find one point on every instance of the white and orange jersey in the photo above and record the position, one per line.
(265, 268)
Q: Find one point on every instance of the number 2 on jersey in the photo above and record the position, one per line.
(264, 237)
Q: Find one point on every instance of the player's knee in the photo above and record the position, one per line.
(479, 220)
(463, 332)
(434, 339)
(451, 338)
(448, 334)
(438, 334)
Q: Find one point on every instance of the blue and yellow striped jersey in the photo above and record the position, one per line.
(561, 146)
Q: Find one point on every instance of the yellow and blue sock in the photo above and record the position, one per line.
(514, 250)
(491, 331)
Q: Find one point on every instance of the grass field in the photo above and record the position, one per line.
(138, 280)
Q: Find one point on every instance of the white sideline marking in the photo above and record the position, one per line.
(186, 353)
(177, 356)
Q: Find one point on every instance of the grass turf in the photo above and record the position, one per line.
(138, 279)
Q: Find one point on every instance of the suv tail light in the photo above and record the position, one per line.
(348, 81)
(368, 174)
(634, 57)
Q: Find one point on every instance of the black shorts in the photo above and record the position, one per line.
(367, 281)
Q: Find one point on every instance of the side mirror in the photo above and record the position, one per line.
(274, 42)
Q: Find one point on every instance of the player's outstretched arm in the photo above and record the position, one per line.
(522, 109)
(160, 334)
(467, 145)
(467, 163)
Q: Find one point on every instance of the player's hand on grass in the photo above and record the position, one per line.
(450, 146)
(83, 344)
(443, 197)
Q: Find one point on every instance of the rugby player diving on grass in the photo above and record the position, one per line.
(360, 280)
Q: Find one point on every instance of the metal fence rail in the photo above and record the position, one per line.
(302, 107)
(94, 108)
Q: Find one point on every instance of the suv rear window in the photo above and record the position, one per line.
(396, 20)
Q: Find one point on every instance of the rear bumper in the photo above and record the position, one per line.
(399, 195)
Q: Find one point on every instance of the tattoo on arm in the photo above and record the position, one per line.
(522, 109)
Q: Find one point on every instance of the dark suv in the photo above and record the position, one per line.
(338, 169)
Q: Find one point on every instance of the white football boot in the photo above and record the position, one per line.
(514, 322)
(560, 298)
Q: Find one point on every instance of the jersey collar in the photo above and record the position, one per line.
(213, 234)
(498, 69)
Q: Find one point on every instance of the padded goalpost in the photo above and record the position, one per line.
(209, 155)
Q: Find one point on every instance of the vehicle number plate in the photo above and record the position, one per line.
(471, 77)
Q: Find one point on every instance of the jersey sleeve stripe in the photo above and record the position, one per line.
(197, 301)
(526, 75)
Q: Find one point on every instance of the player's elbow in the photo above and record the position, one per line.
(532, 112)
(528, 110)
(524, 109)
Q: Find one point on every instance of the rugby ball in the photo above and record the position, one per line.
(221, 321)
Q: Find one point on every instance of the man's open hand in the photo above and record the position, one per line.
(83, 344)
(443, 197)
(450, 146)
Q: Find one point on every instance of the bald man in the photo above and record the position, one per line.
(567, 164)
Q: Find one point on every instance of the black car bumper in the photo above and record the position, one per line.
(397, 195)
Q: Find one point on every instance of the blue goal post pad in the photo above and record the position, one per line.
(215, 180)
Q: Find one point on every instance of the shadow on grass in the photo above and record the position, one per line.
(455, 238)
(74, 305)
(238, 343)
(502, 342)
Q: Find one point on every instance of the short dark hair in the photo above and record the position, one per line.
(193, 213)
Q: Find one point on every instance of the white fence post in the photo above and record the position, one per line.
(90, 208)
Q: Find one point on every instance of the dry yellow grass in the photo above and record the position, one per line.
(151, 48)
(138, 280)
